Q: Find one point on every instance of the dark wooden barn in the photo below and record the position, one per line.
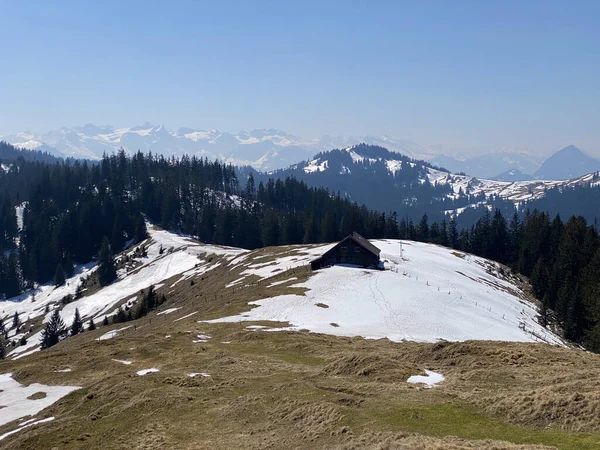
(353, 249)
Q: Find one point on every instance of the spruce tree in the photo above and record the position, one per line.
(2, 328)
(16, 322)
(59, 276)
(592, 339)
(423, 229)
(453, 234)
(2, 349)
(68, 265)
(53, 331)
(121, 316)
(105, 321)
(443, 240)
(106, 270)
(151, 298)
(544, 311)
(141, 233)
(77, 326)
(12, 282)
(92, 325)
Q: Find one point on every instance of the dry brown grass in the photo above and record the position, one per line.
(411, 441)
(302, 390)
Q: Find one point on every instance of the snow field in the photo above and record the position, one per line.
(432, 293)
(14, 401)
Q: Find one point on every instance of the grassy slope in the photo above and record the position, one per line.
(299, 390)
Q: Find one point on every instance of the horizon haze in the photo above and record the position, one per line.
(463, 81)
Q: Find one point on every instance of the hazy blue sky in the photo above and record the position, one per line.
(462, 74)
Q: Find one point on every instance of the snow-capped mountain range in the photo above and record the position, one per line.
(271, 149)
(265, 149)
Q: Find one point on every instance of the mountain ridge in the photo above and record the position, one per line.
(385, 180)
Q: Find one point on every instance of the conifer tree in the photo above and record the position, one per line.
(423, 229)
(140, 230)
(2, 349)
(443, 240)
(16, 322)
(2, 328)
(544, 311)
(121, 316)
(54, 330)
(105, 321)
(77, 326)
(106, 269)
(68, 265)
(92, 325)
(142, 309)
(151, 298)
(59, 276)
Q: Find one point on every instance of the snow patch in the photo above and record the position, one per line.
(29, 424)
(185, 317)
(167, 311)
(202, 338)
(430, 380)
(147, 371)
(122, 361)
(277, 283)
(112, 334)
(14, 402)
(316, 166)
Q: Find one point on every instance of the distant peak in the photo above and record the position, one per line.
(144, 126)
(571, 148)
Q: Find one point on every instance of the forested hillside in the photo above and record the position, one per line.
(8, 154)
(69, 209)
(384, 180)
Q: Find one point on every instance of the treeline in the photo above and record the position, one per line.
(562, 261)
(9, 154)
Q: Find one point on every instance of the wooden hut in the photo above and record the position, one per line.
(353, 249)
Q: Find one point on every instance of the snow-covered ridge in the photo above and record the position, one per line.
(515, 191)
